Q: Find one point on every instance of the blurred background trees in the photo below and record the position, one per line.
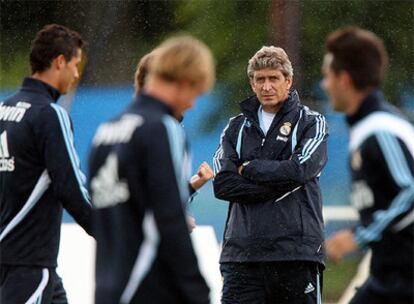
(120, 32)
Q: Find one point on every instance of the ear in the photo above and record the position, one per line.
(289, 82)
(59, 61)
(345, 79)
(251, 82)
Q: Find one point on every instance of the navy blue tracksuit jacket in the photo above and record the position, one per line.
(382, 166)
(139, 169)
(39, 175)
(275, 211)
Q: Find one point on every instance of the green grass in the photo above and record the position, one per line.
(337, 277)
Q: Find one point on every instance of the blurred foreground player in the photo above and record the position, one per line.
(39, 172)
(382, 166)
(204, 172)
(139, 184)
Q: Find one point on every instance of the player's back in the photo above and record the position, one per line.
(117, 225)
(144, 252)
(26, 211)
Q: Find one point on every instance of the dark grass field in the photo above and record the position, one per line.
(337, 277)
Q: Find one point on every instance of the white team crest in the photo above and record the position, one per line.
(285, 129)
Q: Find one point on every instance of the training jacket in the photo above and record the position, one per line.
(139, 184)
(382, 164)
(39, 174)
(275, 211)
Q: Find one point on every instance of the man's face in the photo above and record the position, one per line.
(69, 72)
(333, 85)
(271, 88)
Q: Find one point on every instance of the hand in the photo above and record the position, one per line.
(241, 168)
(191, 223)
(203, 175)
(340, 244)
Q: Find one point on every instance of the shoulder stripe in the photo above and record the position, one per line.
(382, 121)
(176, 139)
(64, 122)
(312, 144)
(395, 159)
(240, 138)
(295, 130)
(220, 152)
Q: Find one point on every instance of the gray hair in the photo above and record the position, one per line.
(270, 57)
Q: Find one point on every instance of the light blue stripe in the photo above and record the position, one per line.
(147, 254)
(391, 161)
(176, 140)
(295, 130)
(28, 205)
(317, 141)
(395, 159)
(260, 117)
(20, 216)
(216, 162)
(311, 142)
(239, 139)
(75, 155)
(400, 159)
(220, 152)
(74, 159)
(382, 219)
(318, 290)
(319, 136)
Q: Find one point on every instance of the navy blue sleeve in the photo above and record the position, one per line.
(399, 163)
(62, 164)
(306, 163)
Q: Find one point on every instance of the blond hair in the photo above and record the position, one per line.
(184, 59)
(142, 70)
(270, 57)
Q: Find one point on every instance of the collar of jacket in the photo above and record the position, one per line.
(40, 87)
(371, 103)
(152, 102)
(250, 106)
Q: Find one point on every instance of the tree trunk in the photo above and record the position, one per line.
(285, 32)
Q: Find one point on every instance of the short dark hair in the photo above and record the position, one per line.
(50, 42)
(359, 52)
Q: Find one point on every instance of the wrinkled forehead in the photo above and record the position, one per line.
(268, 72)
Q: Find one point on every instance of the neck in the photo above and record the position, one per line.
(47, 77)
(165, 92)
(272, 109)
(356, 97)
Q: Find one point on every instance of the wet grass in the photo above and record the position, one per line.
(336, 278)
